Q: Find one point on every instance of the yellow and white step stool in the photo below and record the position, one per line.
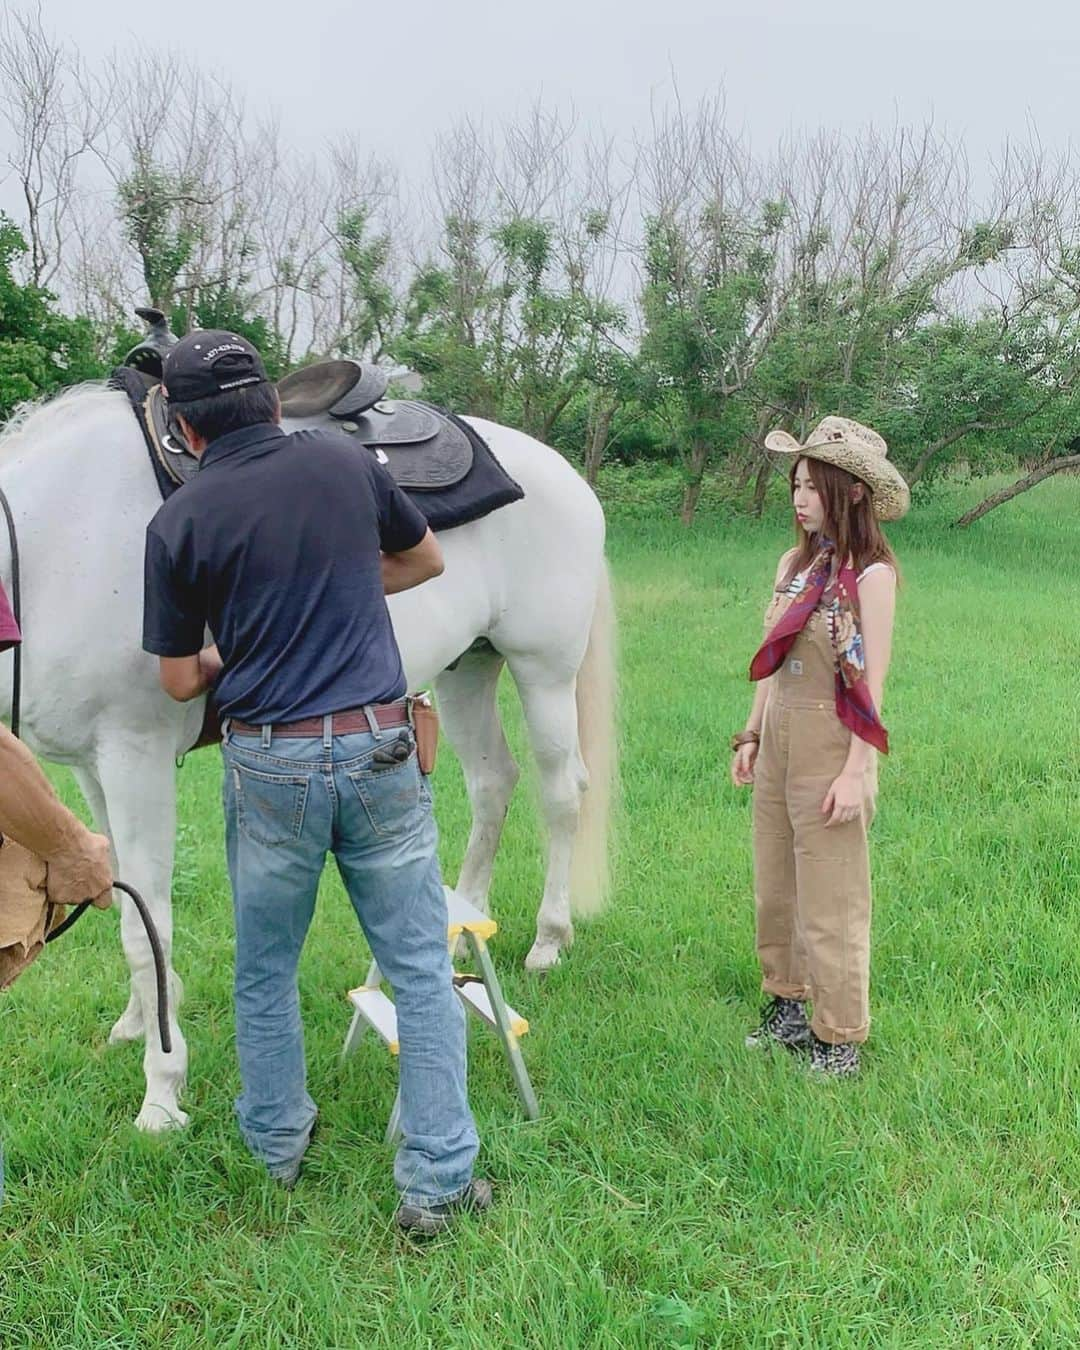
(481, 995)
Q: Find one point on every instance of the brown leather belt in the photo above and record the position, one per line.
(345, 723)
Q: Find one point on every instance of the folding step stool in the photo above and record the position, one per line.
(481, 995)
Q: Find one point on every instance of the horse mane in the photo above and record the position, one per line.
(37, 418)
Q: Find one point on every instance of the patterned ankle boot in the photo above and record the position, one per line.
(838, 1061)
(783, 1022)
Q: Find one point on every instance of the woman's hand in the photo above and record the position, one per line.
(742, 765)
(844, 800)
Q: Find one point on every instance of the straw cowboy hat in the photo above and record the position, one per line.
(858, 449)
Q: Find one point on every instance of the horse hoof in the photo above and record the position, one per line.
(127, 1027)
(544, 955)
(156, 1119)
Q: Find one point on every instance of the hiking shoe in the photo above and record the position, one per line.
(428, 1220)
(288, 1176)
(838, 1061)
(783, 1022)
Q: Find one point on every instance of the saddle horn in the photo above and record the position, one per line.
(148, 356)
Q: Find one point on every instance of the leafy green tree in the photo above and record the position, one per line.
(41, 350)
(218, 307)
(617, 395)
(446, 312)
(509, 327)
(371, 310)
(880, 345)
(708, 307)
(155, 209)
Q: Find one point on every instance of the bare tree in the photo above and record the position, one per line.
(715, 277)
(874, 230)
(364, 236)
(1025, 294)
(182, 187)
(96, 275)
(55, 116)
(285, 194)
(1061, 464)
(512, 293)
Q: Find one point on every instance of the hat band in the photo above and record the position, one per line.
(844, 444)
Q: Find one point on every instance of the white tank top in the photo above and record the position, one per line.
(872, 568)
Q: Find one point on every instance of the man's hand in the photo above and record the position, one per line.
(210, 664)
(32, 815)
(186, 677)
(81, 871)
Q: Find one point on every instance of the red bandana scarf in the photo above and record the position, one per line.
(838, 595)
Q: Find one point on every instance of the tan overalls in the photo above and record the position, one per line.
(812, 884)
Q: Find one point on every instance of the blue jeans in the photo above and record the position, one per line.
(287, 804)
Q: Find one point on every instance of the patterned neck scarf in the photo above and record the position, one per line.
(838, 596)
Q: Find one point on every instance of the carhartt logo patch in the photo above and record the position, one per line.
(796, 667)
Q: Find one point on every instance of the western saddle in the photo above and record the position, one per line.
(422, 447)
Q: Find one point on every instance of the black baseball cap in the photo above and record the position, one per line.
(208, 362)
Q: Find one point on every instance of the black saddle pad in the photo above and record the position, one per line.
(485, 488)
(422, 447)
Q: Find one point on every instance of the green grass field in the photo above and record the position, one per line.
(680, 1189)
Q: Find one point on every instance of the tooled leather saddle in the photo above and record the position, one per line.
(439, 459)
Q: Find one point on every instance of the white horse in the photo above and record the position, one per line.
(530, 579)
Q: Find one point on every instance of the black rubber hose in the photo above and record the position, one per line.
(16, 717)
(16, 609)
(62, 928)
(155, 947)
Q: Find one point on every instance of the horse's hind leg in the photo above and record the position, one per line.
(469, 713)
(550, 707)
(137, 777)
(129, 1026)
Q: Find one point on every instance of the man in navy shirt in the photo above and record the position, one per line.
(284, 548)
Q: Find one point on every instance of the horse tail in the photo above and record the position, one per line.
(598, 743)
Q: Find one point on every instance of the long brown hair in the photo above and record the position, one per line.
(851, 525)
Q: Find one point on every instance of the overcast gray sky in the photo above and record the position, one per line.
(396, 73)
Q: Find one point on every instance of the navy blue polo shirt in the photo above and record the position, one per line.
(274, 546)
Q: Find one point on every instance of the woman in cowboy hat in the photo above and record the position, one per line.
(810, 745)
